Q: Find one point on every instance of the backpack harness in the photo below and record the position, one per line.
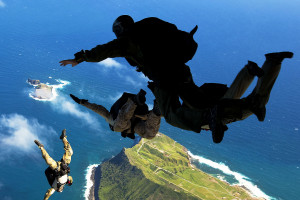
(140, 110)
(53, 174)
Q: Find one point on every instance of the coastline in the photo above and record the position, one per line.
(243, 181)
(94, 173)
(89, 193)
(240, 186)
(92, 177)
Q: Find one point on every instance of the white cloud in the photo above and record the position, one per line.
(143, 77)
(18, 133)
(111, 63)
(132, 81)
(2, 4)
(135, 82)
(62, 105)
(138, 79)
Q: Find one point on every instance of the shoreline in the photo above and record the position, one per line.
(243, 183)
(92, 178)
(89, 193)
(53, 91)
(252, 190)
(240, 186)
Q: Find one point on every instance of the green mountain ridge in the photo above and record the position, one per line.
(159, 169)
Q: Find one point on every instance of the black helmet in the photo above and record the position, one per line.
(122, 24)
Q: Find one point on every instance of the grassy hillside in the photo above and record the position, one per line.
(121, 180)
(160, 169)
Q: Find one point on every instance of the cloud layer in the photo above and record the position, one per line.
(111, 63)
(127, 74)
(62, 105)
(2, 4)
(17, 134)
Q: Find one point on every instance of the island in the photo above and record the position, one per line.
(42, 91)
(158, 169)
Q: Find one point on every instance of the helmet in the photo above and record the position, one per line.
(70, 180)
(122, 24)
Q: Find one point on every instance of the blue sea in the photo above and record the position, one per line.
(36, 35)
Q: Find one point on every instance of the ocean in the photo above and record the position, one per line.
(35, 36)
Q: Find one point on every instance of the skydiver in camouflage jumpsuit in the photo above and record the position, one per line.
(60, 169)
(128, 115)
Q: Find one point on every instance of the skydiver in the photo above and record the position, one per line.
(157, 49)
(128, 115)
(181, 116)
(57, 172)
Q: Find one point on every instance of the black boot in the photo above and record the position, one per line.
(279, 56)
(129, 135)
(140, 98)
(254, 69)
(38, 143)
(215, 124)
(260, 113)
(63, 134)
(253, 101)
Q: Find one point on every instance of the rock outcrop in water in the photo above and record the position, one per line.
(33, 82)
(41, 90)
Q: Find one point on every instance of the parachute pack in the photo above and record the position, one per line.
(173, 43)
(140, 110)
(52, 174)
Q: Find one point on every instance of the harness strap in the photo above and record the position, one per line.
(193, 31)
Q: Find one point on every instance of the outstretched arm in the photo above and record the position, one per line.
(99, 109)
(72, 62)
(120, 47)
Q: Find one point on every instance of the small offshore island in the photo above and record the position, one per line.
(42, 91)
(158, 169)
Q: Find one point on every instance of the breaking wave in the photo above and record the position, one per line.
(89, 180)
(241, 179)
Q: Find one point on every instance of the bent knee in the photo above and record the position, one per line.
(70, 152)
(150, 136)
(118, 129)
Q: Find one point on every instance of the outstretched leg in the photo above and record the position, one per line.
(67, 147)
(231, 106)
(261, 93)
(49, 193)
(272, 68)
(52, 163)
(243, 80)
(175, 114)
